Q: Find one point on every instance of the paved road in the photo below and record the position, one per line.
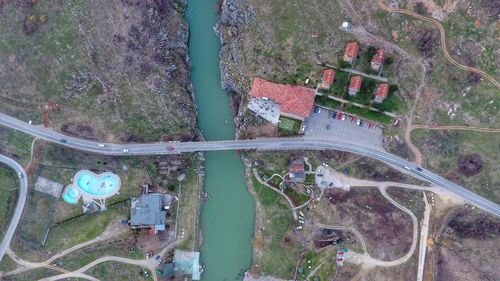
(23, 191)
(423, 239)
(297, 143)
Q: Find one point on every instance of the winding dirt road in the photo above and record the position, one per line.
(418, 155)
(442, 40)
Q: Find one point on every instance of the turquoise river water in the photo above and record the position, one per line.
(228, 217)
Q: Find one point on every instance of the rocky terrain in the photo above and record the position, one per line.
(116, 72)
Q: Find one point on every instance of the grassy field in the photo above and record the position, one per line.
(118, 247)
(275, 257)
(30, 275)
(9, 188)
(15, 145)
(324, 259)
(115, 271)
(7, 264)
(188, 212)
(101, 66)
(288, 126)
(441, 151)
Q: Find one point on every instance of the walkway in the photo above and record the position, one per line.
(366, 259)
(261, 181)
(423, 239)
(357, 72)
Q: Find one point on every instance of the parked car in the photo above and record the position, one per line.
(339, 116)
(370, 125)
(353, 119)
(343, 117)
(358, 122)
(334, 114)
(328, 126)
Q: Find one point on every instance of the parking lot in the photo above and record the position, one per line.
(339, 125)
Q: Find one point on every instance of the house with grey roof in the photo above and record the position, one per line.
(150, 211)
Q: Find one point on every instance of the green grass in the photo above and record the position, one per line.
(30, 275)
(313, 259)
(339, 86)
(119, 248)
(325, 101)
(9, 188)
(297, 198)
(277, 259)
(7, 264)
(366, 93)
(188, 214)
(368, 114)
(289, 126)
(441, 151)
(115, 271)
(17, 144)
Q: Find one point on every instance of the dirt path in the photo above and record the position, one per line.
(423, 239)
(442, 40)
(111, 231)
(464, 128)
(418, 155)
(149, 264)
(257, 176)
(365, 259)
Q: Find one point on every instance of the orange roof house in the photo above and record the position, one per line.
(381, 92)
(378, 59)
(354, 85)
(328, 77)
(351, 52)
(294, 101)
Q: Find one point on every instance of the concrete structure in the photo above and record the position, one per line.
(351, 52)
(381, 92)
(49, 187)
(354, 85)
(187, 263)
(378, 60)
(265, 108)
(150, 211)
(169, 270)
(327, 77)
(327, 177)
(91, 188)
(296, 171)
(297, 143)
(295, 101)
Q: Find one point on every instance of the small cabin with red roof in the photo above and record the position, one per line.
(381, 92)
(354, 85)
(351, 52)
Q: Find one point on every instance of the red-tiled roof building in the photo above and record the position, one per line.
(354, 85)
(381, 92)
(378, 59)
(328, 75)
(295, 101)
(351, 52)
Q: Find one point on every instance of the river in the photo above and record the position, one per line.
(227, 219)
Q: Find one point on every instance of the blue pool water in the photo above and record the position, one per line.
(71, 196)
(97, 185)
